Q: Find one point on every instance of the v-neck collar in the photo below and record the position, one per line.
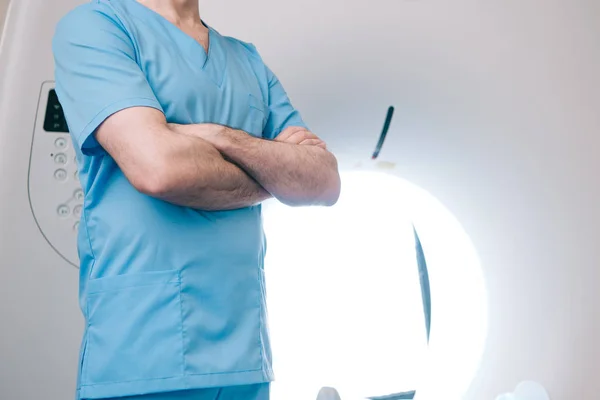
(213, 62)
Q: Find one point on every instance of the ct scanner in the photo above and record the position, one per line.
(496, 126)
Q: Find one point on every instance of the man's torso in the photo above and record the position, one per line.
(174, 297)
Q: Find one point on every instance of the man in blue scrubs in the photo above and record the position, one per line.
(180, 134)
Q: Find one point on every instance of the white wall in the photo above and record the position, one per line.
(497, 116)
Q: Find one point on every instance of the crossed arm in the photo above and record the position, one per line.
(212, 167)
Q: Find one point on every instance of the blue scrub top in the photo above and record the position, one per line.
(173, 297)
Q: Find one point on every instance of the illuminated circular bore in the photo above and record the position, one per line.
(344, 296)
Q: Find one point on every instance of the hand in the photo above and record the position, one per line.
(293, 135)
(301, 136)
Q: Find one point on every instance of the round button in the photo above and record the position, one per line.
(63, 210)
(78, 195)
(60, 175)
(76, 226)
(60, 158)
(77, 211)
(61, 143)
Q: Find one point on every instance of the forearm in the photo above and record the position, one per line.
(296, 175)
(196, 175)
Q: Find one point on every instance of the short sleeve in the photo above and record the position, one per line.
(96, 72)
(282, 113)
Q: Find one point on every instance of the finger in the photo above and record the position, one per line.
(299, 136)
(314, 142)
(307, 135)
(310, 142)
(288, 132)
(321, 144)
(310, 135)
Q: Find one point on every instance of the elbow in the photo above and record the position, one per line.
(151, 185)
(331, 195)
(152, 179)
(330, 200)
(332, 191)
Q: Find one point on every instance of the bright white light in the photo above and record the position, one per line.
(344, 294)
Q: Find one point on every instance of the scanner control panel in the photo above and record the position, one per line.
(55, 194)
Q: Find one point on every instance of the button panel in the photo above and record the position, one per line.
(56, 196)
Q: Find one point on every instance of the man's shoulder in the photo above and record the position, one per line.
(244, 47)
(88, 16)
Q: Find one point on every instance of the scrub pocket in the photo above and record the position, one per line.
(257, 116)
(134, 328)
